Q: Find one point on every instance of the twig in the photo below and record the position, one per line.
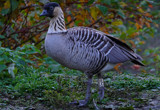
(29, 38)
(28, 6)
(24, 30)
(98, 20)
(39, 41)
(71, 21)
(76, 2)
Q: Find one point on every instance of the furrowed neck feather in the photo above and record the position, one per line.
(57, 24)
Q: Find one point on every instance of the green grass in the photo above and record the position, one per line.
(60, 89)
(55, 86)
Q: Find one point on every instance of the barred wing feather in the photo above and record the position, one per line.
(112, 48)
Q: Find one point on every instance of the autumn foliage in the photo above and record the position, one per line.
(132, 21)
(126, 19)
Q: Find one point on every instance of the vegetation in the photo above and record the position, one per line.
(29, 79)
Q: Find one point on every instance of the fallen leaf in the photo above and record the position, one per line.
(135, 67)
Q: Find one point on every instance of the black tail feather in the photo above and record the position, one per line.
(138, 62)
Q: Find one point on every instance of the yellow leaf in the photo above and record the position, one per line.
(40, 64)
(123, 4)
(144, 71)
(110, 16)
(94, 12)
(142, 42)
(117, 23)
(140, 10)
(7, 4)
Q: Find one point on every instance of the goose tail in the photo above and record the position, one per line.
(138, 60)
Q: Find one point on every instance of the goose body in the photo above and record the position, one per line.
(87, 50)
(84, 49)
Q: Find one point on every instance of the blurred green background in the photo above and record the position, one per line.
(29, 79)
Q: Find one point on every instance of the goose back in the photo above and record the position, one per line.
(115, 50)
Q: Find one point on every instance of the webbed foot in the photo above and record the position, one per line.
(80, 103)
(101, 93)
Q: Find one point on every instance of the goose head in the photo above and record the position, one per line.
(51, 10)
(54, 11)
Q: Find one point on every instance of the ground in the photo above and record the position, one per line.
(123, 92)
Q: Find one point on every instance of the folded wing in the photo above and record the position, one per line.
(114, 49)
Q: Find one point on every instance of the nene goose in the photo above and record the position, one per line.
(84, 49)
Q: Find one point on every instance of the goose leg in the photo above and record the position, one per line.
(88, 94)
(101, 87)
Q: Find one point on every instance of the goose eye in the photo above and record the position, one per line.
(51, 8)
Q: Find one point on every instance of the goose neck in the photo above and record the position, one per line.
(57, 24)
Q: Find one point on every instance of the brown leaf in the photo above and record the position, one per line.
(135, 67)
(138, 26)
(19, 19)
(37, 37)
(69, 18)
(151, 6)
(147, 24)
(116, 67)
(147, 14)
(132, 43)
(36, 16)
(84, 0)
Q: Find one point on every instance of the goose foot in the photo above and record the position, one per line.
(101, 93)
(80, 103)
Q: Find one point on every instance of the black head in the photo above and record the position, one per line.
(49, 9)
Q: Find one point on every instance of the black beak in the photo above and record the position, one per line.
(44, 13)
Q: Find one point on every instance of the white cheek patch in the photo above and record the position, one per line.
(100, 82)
